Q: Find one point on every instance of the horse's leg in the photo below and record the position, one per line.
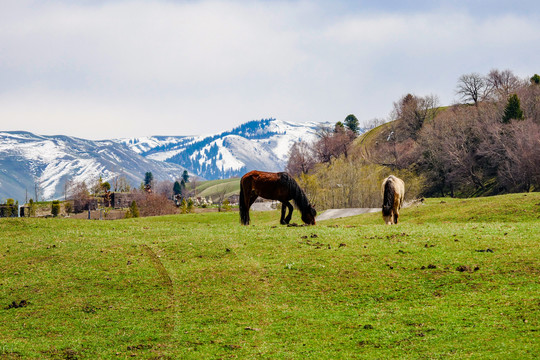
(249, 200)
(282, 218)
(290, 207)
(396, 215)
(252, 199)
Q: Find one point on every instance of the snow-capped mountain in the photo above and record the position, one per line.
(34, 163)
(29, 162)
(259, 144)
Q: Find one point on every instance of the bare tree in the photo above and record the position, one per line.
(221, 197)
(301, 159)
(473, 87)
(412, 112)
(514, 149)
(79, 193)
(120, 184)
(38, 189)
(332, 143)
(502, 83)
(450, 146)
(530, 101)
(373, 123)
(522, 165)
(164, 188)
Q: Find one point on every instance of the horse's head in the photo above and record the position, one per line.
(387, 215)
(308, 216)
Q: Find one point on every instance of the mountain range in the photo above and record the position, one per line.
(38, 166)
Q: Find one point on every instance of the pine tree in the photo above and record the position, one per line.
(148, 178)
(352, 123)
(177, 188)
(185, 176)
(512, 110)
(133, 211)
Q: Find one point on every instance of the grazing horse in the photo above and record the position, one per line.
(274, 186)
(393, 190)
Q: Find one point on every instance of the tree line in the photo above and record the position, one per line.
(150, 198)
(488, 143)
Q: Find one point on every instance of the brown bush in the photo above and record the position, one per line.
(151, 204)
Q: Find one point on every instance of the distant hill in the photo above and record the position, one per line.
(217, 188)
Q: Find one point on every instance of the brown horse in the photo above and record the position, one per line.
(393, 190)
(274, 186)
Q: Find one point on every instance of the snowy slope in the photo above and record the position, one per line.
(31, 162)
(260, 144)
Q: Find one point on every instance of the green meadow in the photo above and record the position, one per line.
(456, 279)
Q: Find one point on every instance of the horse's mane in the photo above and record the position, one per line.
(297, 194)
(388, 196)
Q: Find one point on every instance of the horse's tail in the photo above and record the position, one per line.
(244, 209)
(388, 196)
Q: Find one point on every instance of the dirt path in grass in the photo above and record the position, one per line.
(339, 213)
(329, 213)
(166, 281)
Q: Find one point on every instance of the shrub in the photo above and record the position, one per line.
(183, 207)
(68, 207)
(32, 207)
(226, 206)
(190, 205)
(133, 210)
(153, 204)
(55, 208)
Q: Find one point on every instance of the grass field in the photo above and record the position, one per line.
(456, 279)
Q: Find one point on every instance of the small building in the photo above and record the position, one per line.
(234, 199)
(122, 200)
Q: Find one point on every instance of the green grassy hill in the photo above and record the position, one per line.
(215, 188)
(455, 279)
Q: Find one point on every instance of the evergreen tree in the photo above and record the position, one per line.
(535, 79)
(133, 211)
(182, 185)
(106, 186)
(513, 109)
(177, 188)
(352, 123)
(339, 127)
(148, 178)
(185, 176)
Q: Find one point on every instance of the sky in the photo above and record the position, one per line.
(100, 69)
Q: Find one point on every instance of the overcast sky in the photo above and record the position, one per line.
(108, 69)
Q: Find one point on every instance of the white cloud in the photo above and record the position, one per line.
(134, 68)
